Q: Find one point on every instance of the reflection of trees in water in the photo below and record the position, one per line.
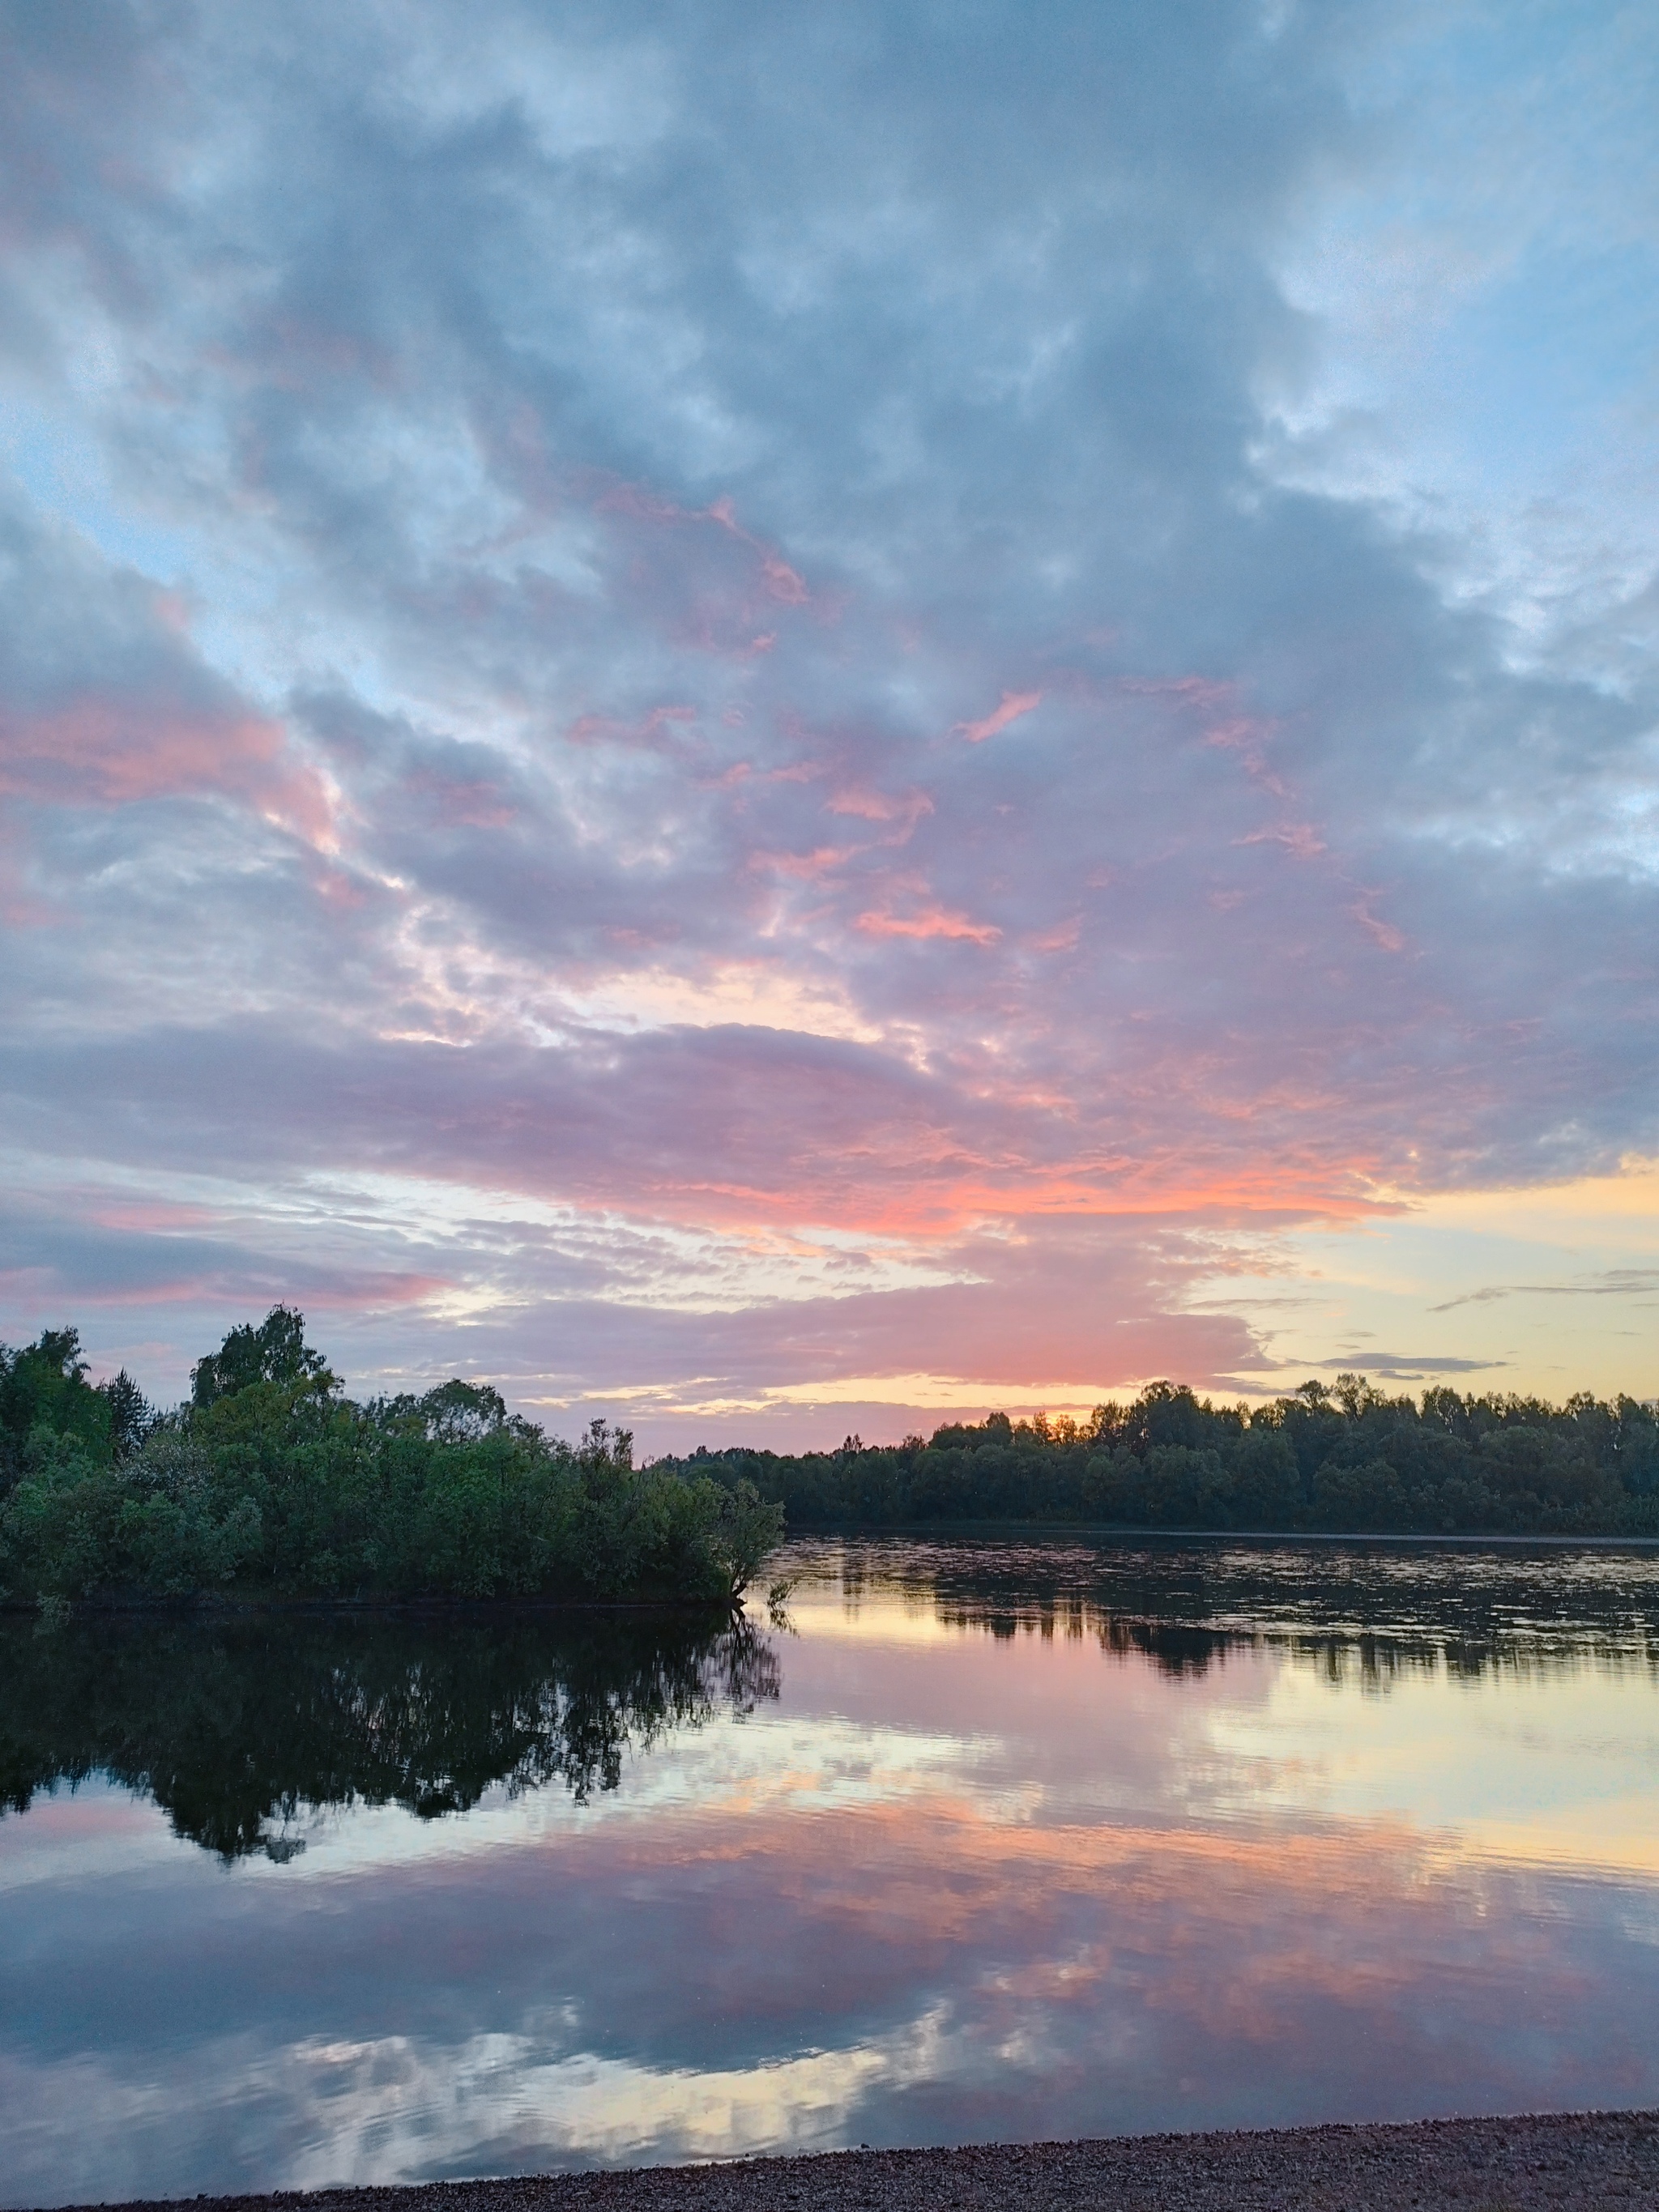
(1363, 1613)
(231, 1725)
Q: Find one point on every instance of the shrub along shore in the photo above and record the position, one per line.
(270, 1484)
(1344, 1459)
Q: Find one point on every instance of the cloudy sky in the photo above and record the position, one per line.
(771, 718)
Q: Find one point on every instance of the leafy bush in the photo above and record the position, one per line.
(271, 1481)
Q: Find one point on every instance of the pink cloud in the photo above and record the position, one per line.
(150, 1217)
(868, 806)
(808, 866)
(930, 921)
(1299, 837)
(1226, 726)
(236, 1288)
(1200, 691)
(654, 729)
(781, 580)
(721, 1126)
(697, 575)
(1390, 939)
(472, 804)
(100, 751)
(298, 353)
(1014, 705)
(338, 888)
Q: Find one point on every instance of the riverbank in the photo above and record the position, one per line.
(1587, 2161)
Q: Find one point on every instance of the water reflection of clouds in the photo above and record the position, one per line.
(87, 1834)
(393, 2105)
(1567, 1775)
(945, 1972)
(952, 1884)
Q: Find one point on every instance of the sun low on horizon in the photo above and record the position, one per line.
(776, 722)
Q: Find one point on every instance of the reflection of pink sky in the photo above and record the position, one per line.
(66, 1815)
(951, 1883)
(1054, 1708)
(952, 1886)
(1074, 1875)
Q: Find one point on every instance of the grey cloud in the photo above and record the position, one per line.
(1407, 1367)
(1616, 1283)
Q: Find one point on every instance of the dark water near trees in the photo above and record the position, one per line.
(986, 1840)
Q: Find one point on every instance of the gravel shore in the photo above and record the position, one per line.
(1585, 2160)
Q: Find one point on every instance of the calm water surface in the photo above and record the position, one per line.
(980, 1841)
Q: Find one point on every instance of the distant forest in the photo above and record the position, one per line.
(271, 1484)
(1343, 1458)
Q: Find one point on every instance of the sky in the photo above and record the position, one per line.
(784, 721)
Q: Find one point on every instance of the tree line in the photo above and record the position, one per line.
(1342, 1458)
(270, 1483)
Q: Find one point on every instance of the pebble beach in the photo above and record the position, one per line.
(1582, 2160)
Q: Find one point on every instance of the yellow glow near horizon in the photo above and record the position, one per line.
(1548, 1289)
